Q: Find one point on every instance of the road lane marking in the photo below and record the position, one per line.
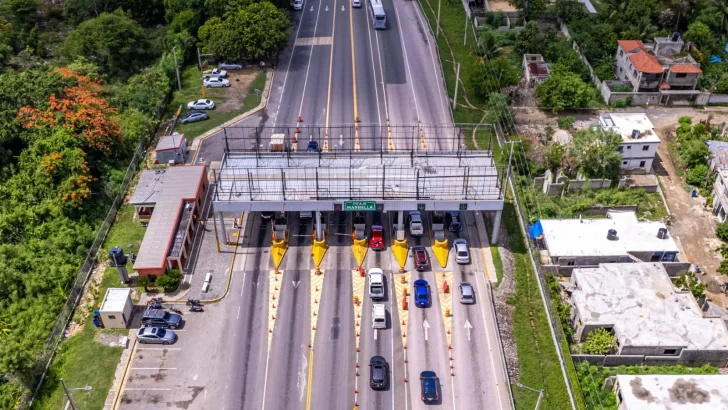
(308, 65)
(468, 326)
(328, 98)
(314, 41)
(353, 62)
(375, 334)
(406, 60)
(146, 389)
(243, 289)
(425, 326)
(154, 368)
(310, 376)
(285, 79)
(238, 312)
(159, 348)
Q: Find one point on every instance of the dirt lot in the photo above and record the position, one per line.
(239, 83)
(500, 5)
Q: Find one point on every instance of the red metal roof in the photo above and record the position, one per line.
(631, 45)
(685, 68)
(664, 85)
(645, 62)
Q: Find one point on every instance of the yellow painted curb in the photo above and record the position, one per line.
(119, 391)
(399, 290)
(278, 250)
(445, 302)
(400, 250)
(441, 251)
(318, 249)
(317, 287)
(274, 296)
(358, 284)
(360, 248)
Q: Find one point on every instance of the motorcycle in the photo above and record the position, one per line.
(193, 302)
(155, 303)
(195, 308)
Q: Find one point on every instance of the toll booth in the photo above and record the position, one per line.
(280, 226)
(438, 225)
(360, 225)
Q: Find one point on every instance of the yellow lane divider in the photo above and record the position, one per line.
(317, 287)
(274, 296)
(318, 249)
(278, 249)
(360, 248)
(441, 251)
(402, 291)
(444, 292)
(400, 251)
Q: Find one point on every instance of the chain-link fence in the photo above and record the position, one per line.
(65, 315)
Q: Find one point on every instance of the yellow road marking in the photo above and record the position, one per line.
(331, 68)
(310, 377)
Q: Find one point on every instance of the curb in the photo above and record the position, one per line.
(263, 103)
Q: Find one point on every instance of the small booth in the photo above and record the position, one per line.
(115, 310)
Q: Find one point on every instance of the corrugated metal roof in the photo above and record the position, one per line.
(170, 189)
(170, 142)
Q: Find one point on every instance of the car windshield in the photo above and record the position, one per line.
(378, 373)
(463, 253)
(166, 316)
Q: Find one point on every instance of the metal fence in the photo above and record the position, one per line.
(66, 313)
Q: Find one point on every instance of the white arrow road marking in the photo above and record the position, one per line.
(375, 334)
(468, 326)
(342, 7)
(295, 284)
(327, 8)
(426, 326)
(311, 8)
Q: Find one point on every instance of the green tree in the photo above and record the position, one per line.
(554, 155)
(532, 9)
(493, 75)
(529, 40)
(257, 31)
(697, 175)
(694, 152)
(702, 36)
(487, 47)
(599, 341)
(690, 282)
(21, 13)
(170, 281)
(595, 151)
(562, 90)
(566, 122)
(116, 42)
(569, 10)
(721, 231)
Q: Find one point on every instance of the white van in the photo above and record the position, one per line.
(376, 283)
(379, 316)
(356, 3)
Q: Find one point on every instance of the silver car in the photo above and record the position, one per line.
(230, 66)
(467, 294)
(156, 335)
(462, 254)
(201, 104)
(216, 82)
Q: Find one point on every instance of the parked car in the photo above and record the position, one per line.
(376, 241)
(422, 293)
(462, 254)
(313, 146)
(201, 104)
(429, 383)
(230, 66)
(216, 82)
(215, 73)
(454, 219)
(192, 116)
(467, 294)
(161, 318)
(156, 335)
(415, 225)
(422, 259)
(378, 373)
(297, 4)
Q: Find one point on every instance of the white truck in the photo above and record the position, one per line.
(379, 316)
(214, 73)
(376, 284)
(415, 225)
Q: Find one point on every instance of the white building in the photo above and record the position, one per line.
(619, 238)
(671, 392)
(116, 308)
(649, 317)
(639, 141)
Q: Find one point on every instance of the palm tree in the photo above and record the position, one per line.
(683, 7)
(487, 48)
(722, 6)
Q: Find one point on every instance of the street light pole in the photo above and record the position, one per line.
(457, 81)
(68, 395)
(540, 393)
(438, 19)
(176, 68)
(465, 37)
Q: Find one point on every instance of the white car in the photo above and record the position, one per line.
(297, 4)
(216, 82)
(201, 104)
(356, 3)
(462, 254)
(215, 72)
(415, 225)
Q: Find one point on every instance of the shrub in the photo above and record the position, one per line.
(144, 282)
(722, 231)
(689, 281)
(697, 175)
(566, 123)
(170, 281)
(599, 341)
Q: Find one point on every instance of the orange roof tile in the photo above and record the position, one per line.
(631, 45)
(645, 62)
(664, 85)
(685, 68)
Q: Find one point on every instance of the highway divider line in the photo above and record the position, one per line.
(310, 379)
(197, 142)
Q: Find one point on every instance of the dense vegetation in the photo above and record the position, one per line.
(82, 83)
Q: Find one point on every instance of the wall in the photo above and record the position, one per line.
(637, 163)
(686, 358)
(635, 149)
(675, 269)
(143, 273)
(717, 99)
(555, 185)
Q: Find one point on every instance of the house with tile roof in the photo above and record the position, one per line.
(658, 73)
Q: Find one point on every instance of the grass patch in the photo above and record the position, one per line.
(498, 263)
(538, 361)
(80, 360)
(192, 90)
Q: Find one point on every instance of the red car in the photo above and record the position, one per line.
(376, 241)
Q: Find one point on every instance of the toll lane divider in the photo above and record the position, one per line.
(400, 250)
(444, 294)
(318, 249)
(402, 288)
(274, 295)
(360, 248)
(278, 249)
(441, 251)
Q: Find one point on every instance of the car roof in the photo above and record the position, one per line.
(428, 373)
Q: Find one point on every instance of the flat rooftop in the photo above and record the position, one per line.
(624, 123)
(115, 299)
(166, 190)
(170, 142)
(639, 300)
(311, 177)
(588, 237)
(718, 154)
(674, 392)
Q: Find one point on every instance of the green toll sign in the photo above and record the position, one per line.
(360, 206)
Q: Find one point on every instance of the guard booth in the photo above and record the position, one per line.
(360, 225)
(115, 310)
(280, 226)
(438, 225)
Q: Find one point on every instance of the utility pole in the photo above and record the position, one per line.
(457, 81)
(438, 19)
(199, 60)
(465, 37)
(68, 395)
(176, 68)
(508, 170)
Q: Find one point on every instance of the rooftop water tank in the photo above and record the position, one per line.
(612, 235)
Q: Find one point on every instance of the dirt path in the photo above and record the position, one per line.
(694, 225)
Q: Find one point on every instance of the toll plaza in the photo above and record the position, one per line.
(264, 170)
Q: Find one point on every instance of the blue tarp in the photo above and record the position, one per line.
(535, 230)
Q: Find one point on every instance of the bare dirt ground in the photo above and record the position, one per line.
(240, 81)
(500, 5)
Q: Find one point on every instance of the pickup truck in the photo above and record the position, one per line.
(376, 284)
(416, 227)
(215, 72)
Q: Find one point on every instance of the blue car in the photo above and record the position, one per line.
(429, 382)
(422, 293)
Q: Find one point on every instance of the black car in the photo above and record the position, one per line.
(161, 318)
(313, 146)
(422, 260)
(378, 373)
(429, 382)
(192, 116)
